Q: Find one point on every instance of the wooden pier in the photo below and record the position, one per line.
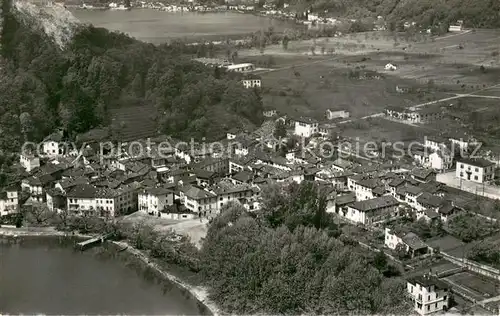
(92, 242)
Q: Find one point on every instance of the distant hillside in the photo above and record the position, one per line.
(58, 73)
(475, 13)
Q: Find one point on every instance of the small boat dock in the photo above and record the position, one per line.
(92, 242)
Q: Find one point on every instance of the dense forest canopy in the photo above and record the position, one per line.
(289, 259)
(44, 87)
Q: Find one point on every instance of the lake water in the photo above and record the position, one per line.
(158, 27)
(60, 281)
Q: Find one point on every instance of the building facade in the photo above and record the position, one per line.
(429, 294)
(475, 170)
(252, 83)
(306, 127)
(154, 201)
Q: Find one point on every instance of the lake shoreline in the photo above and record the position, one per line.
(198, 293)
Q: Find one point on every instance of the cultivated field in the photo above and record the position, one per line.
(313, 75)
(311, 90)
(380, 129)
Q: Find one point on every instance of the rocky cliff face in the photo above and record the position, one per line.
(50, 18)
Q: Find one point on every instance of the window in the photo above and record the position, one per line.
(428, 307)
(477, 169)
(475, 177)
(462, 165)
(444, 298)
(436, 305)
(428, 297)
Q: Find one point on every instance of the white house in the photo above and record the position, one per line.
(364, 189)
(52, 146)
(412, 243)
(154, 200)
(428, 293)
(337, 114)
(227, 192)
(81, 199)
(104, 202)
(434, 143)
(231, 134)
(312, 17)
(29, 162)
(477, 170)
(441, 160)
(306, 127)
(455, 28)
(373, 210)
(251, 83)
(390, 66)
(199, 200)
(9, 201)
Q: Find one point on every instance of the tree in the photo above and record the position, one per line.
(285, 42)
(380, 261)
(280, 130)
(38, 215)
(252, 267)
(401, 252)
(26, 124)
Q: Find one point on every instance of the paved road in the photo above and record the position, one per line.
(479, 96)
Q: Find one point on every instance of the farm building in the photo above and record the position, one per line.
(246, 67)
(390, 66)
(422, 115)
(270, 113)
(251, 83)
(337, 114)
(458, 27)
(403, 89)
(213, 61)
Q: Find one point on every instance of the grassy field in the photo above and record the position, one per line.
(380, 129)
(311, 90)
(303, 83)
(482, 286)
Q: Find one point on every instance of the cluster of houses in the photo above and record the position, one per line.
(249, 80)
(184, 182)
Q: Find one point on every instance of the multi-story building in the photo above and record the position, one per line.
(29, 161)
(429, 294)
(154, 200)
(9, 200)
(371, 211)
(477, 170)
(102, 201)
(199, 200)
(52, 146)
(306, 127)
